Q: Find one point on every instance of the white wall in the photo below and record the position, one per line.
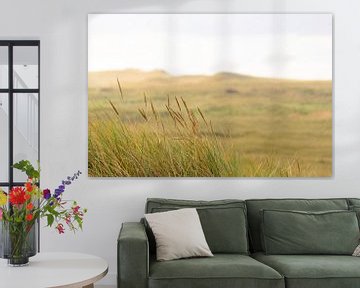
(62, 28)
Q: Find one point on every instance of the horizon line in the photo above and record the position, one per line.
(209, 75)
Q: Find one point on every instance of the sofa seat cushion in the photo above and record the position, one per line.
(222, 270)
(313, 271)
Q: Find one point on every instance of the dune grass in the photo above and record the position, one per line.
(155, 148)
(188, 146)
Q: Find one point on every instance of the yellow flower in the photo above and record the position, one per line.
(3, 198)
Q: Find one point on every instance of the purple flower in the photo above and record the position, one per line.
(58, 192)
(65, 183)
(46, 194)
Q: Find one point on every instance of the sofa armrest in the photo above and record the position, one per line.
(133, 256)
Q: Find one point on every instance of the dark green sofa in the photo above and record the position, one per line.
(232, 230)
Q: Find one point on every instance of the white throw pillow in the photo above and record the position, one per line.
(357, 251)
(178, 234)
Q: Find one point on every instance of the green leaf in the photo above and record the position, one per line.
(53, 211)
(26, 167)
(79, 221)
(50, 219)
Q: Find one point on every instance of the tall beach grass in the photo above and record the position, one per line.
(180, 142)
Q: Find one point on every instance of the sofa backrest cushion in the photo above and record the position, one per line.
(223, 221)
(298, 232)
(256, 205)
(354, 205)
(353, 201)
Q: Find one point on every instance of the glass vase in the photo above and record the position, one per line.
(18, 242)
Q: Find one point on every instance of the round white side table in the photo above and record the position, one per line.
(50, 270)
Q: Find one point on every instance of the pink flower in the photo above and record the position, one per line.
(68, 219)
(1, 214)
(60, 228)
(76, 210)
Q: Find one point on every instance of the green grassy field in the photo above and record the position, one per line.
(221, 125)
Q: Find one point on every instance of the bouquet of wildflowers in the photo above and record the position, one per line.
(23, 206)
(28, 203)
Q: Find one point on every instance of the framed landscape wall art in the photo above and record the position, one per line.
(210, 95)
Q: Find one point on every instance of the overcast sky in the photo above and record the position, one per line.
(294, 46)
